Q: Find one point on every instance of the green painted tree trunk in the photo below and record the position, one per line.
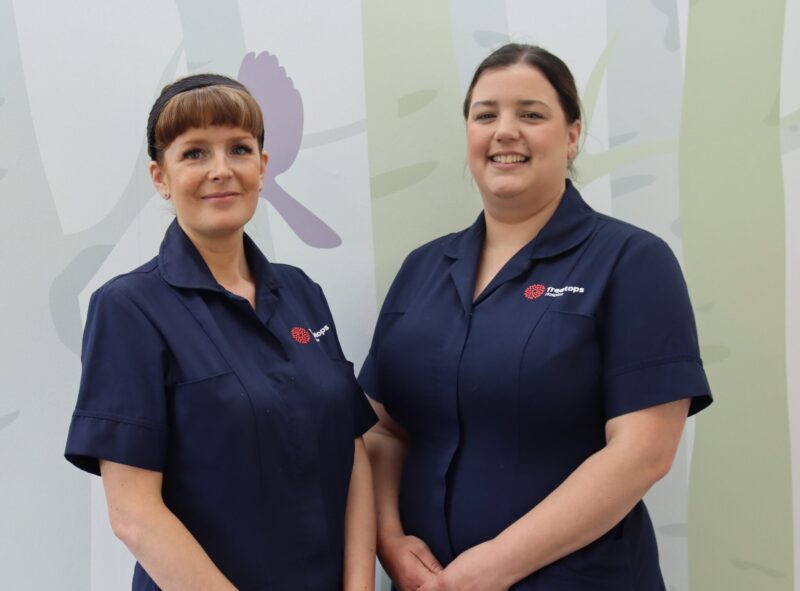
(732, 205)
(418, 177)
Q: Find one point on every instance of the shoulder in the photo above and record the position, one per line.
(625, 242)
(421, 266)
(127, 304)
(133, 286)
(427, 258)
(294, 278)
(433, 251)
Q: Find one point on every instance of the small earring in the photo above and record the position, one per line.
(166, 195)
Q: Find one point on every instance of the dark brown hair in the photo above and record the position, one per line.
(551, 67)
(189, 103)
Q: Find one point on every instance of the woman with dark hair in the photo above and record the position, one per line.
(532, 374)
(215, 400)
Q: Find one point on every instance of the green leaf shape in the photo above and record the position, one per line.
(704, 308)
(335, 134)
(747, 565)
(714, 353)
(594, 83)
(631, 183)
(6, 420)
(414, 101)
(620, 139)
(400, 178)
(593, 166)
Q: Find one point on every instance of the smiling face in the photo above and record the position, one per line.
(213, 175)
(519, 143)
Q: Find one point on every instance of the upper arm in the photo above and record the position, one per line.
(121, 410)
(647, 332)
(651, 434)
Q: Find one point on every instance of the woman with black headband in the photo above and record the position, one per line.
(215, 400)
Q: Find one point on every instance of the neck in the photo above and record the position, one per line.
(224, 257)
(510, 230)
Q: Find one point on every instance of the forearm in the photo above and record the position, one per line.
(172, 557)
(387, 454)
(155, 536)
(359, 553)
(407, 559)
(592, 500)
(597, 495)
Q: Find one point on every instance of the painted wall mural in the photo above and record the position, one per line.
(692, 120)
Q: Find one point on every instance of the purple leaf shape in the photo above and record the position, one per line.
(282, 107)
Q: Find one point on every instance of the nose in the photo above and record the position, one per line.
(507, 128)
(220, 168)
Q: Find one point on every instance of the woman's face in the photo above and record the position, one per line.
(518, 140)
(213, 175)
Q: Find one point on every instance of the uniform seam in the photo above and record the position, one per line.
(85, 414)
(654, 362)
(204, 379)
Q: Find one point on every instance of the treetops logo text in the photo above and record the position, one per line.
(304, 336)
(537, 290)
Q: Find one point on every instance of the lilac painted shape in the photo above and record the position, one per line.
(282, 106)
(308, 227)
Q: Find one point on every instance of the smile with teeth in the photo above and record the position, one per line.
(508, 158)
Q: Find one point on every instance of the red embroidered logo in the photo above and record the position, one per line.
(534, 291)
(301, 335)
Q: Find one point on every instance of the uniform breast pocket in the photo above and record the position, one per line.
(209, 418)
(563, 359)
(338, 388)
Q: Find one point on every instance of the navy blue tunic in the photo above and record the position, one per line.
(503, 398)
(249, 414)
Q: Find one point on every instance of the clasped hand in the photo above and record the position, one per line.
(413, 567)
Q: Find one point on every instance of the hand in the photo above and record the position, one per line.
(409, 562)
(473, 570)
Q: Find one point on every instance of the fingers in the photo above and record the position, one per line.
(410, 563)
(426, 557)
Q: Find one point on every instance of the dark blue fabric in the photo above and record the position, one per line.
(252, 428)
(505, 397)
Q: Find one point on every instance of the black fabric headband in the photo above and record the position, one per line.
(183, 85)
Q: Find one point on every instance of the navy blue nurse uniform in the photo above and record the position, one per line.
(249, 414)
(505, 396)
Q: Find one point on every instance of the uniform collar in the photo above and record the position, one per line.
(182, 266)
(571, 223)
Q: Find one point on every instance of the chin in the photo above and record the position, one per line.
(222, 228)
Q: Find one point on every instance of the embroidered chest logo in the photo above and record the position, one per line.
(537, 290)
(534, 291)
(303, 335)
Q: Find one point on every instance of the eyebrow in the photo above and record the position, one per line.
(203, 141)
(521, 103)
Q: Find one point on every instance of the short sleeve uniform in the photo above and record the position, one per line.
(249, 414)
(503, 398)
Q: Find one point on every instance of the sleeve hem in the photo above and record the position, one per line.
(657, 384)
(92, 439)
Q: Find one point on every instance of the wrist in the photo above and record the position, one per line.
(499, 557)
(386, 538)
